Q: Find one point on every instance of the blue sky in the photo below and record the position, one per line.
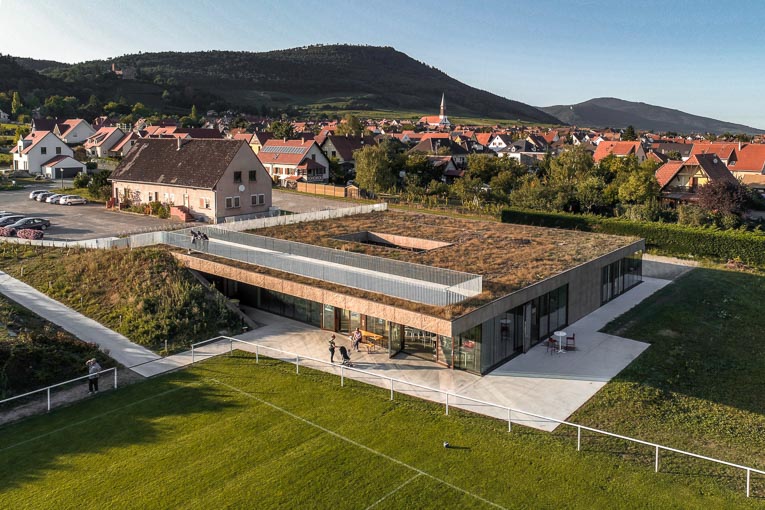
(702, 57)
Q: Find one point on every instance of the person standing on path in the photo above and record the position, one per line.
(356, 337)
(332, 349)
(93, 369)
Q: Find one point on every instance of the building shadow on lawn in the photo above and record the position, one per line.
(127, 417)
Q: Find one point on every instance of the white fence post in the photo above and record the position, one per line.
(115, 378)
(656, 464)
(297, 364)
(578, 438)
(748, 478)
(48, 399)
(509, 420)
(256, 353)
(192, 354)
(342, 375)
(230, 347)
(391, 388)
(447, 403)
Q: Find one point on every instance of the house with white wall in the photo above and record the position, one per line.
(74, 131)
(36, 149)
(294, 160)
(100, 143)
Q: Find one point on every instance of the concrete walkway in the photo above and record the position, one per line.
(551, 385)
(115, 345)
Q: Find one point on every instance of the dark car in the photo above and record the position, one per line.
(41, 197)
(31, 223)
(9, 220)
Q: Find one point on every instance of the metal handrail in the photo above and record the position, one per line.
(658, 447)
(48, 388)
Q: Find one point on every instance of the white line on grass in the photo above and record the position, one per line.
(391, 493)
(94, 417)
(354, 443)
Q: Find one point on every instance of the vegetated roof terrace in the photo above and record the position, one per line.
(508, 256)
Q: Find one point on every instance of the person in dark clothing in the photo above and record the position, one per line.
(93, 369)
(332, 349)
(346, 357)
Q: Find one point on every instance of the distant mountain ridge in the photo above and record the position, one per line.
(336, 76)
(617, 113)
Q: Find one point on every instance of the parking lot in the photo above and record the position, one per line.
(77, 222)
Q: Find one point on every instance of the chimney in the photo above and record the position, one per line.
(178, 139)
(739, 145)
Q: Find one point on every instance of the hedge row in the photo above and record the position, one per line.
(666, 238)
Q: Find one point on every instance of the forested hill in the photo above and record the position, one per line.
(618, 113)
(338, 76)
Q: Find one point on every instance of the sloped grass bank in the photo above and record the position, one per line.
(143, 294)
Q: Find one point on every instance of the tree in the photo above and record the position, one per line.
(486, 167)
(723, 197)
(629, 134)
(674, 155)
(376, 167)
(468, 190)
(16, 104)
(139, 110)
(194, 115)
(640, 186)
(282, 129)
(350, 125)
(570, 166)
(21, 132)
(99, 185)
(419, 170)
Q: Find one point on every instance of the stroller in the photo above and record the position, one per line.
(346, 357)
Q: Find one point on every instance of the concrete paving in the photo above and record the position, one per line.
(115, 345)
(550, 385)
(304, 202)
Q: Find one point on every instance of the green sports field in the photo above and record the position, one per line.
(228, 433)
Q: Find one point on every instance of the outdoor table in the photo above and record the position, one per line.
(560, 337)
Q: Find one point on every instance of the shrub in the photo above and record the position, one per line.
(81, 180)
(7, 232)
(692, 215)
(164, 212)
(669, 239)
(28, 233)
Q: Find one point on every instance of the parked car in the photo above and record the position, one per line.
(9, 220)
(53, 199)
(42, 197)
(31, 223)
(72, 200)
(36, 192)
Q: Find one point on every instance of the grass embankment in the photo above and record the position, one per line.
(35, 353)
(143, 294)
(229, 433)
(700, 385)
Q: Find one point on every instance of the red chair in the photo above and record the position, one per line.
(552, 345)
(571, 342)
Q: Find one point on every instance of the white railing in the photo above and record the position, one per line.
(291, 357)
(48, 388)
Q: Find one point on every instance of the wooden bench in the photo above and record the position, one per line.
(370, 340)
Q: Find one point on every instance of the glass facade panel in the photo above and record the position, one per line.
(468, 355)
(620, 276)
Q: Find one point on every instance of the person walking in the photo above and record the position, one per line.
(332, 349)
(93, 369)
(356, 337)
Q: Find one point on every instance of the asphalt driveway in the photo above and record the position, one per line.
(77, 222)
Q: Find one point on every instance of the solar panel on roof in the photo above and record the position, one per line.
(283, 149)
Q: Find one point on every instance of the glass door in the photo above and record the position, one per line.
(395, 339)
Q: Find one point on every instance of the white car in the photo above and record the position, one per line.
(72, 200)
(36, 192)
(52, 199)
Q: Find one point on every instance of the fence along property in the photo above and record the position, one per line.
(449, 399)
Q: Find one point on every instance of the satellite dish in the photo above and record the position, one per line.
(241, 187)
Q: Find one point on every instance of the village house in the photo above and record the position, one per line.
(726, 151)
(73, 131)
(343, 147)
(750, 161)
(258, 139)
(439, 121)
(101, 142)
(443, 146)
(209, 180)
(44, 153)
(681, 180)
(294, 160)
(620, 150)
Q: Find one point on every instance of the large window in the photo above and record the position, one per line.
(620, 276)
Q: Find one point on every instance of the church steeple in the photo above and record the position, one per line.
(442, 113)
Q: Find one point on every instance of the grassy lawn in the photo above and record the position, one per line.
(701, 384)
(228, 433)
(143, 294)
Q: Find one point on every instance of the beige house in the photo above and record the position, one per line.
(209, 179)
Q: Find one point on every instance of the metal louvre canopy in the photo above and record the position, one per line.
(404, 280)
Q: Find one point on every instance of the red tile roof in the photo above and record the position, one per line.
(617, 148)
(667, 172)
(751, 159)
